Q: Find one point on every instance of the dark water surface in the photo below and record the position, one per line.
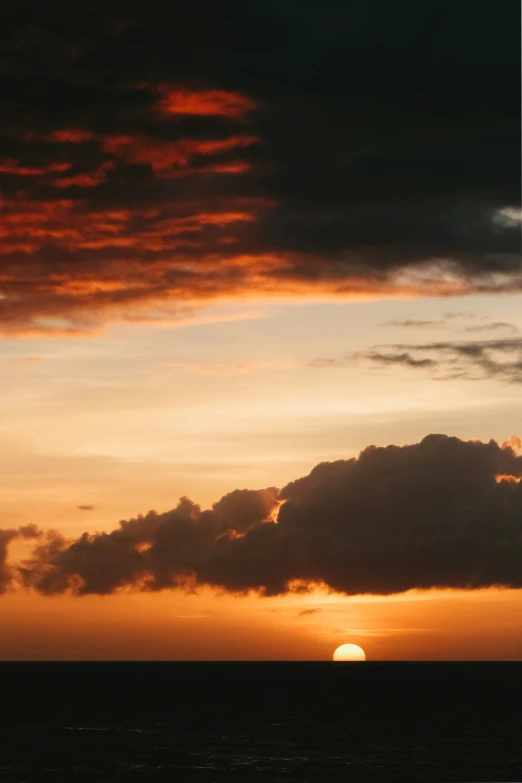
(275, 722)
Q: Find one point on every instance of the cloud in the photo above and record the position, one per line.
(414, 323)
(304, 612)
(7, 573)
(6, 536)
(150, 162)
(205, 103)
(442, 513)
(514, 443)
(244, 508)
(493, 326)
(490, 359)
(385, 359)
(401, 358)
(85, 508)
(456, 322)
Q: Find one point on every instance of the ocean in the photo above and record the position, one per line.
(256, 721)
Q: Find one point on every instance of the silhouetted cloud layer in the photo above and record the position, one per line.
(161, 156)
(457, 322)
(500, 359)
(444, 360)
(440, 513)
(7, 573)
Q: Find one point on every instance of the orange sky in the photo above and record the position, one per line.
(434, 626)
(231, 250)
(139, 416)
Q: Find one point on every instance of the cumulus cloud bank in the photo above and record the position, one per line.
(440, 513)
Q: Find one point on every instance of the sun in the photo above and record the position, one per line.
(349, 652)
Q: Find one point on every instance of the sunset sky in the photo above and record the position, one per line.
(235, 246)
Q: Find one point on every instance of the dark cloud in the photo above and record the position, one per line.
(7, 573)
(498, 359)
(493, 326)
(162, 155)
(457, 322)
(304, 612)
(514, 443)
(244, 508)
(6, 536)
(439, 513)
(403, 358)
(85, 508)
(414, 323)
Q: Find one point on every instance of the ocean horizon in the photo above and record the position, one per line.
(259, 720)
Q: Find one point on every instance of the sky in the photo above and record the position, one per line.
(260, 331)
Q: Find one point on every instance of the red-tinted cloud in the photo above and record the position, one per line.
(204, 103)
(97, 254)
(127, 260)
(330, 163)
(87, 180)
(12, 166)
(71, 135)
(169, 158)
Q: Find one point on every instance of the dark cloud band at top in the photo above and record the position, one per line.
(152, 157)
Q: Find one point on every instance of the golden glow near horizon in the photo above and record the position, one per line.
(432, 625)
(101, 429)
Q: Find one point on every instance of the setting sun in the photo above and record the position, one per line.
(349, 652)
